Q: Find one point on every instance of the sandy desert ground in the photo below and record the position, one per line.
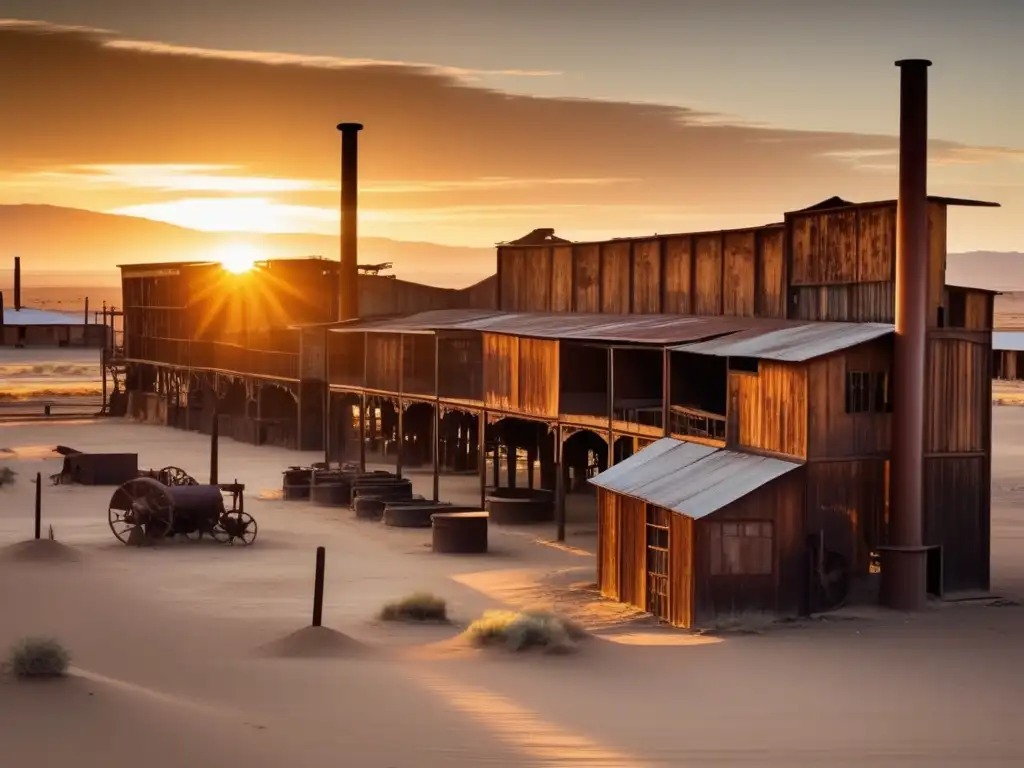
(183, 654)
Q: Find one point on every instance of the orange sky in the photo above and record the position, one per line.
(245, 140)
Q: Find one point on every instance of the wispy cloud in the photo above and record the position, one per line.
(177, 178)
(46, 26)
(323, 62)
(497, 182)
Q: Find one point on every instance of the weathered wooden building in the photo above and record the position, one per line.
(1007, 348)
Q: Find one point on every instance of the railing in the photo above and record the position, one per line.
(696, 423)
(72, 406)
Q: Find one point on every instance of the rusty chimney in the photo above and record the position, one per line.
(348, 294)
(904, 565)
(17, 283)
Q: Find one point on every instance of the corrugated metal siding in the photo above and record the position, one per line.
(694, 480)
(793, 344)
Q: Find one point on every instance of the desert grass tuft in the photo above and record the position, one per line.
(35, 657)
(420, 606)
(522, 630)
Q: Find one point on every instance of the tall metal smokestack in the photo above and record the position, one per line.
(348, 294)
(904, 572)
(17, 283)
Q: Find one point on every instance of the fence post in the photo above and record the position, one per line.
(318, 587)
(39, 503)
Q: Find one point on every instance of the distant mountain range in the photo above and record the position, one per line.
(62, 240)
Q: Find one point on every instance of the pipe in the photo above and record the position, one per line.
(348, 294)
(905, 587)
(17, 283)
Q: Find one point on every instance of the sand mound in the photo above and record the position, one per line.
(39, 551)
(314, 643)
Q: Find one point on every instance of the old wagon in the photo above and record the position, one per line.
(145, 510)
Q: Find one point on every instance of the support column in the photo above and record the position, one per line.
(560, 475)
(511, 462)
(362, 433)
(481, 454)
(496, 463)
(531, 459)
(400, 439)
(437, 440)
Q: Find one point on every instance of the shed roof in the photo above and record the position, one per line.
(27, 316)
(793, 344)
(691, 479)
(639, 329)
(1010, 341)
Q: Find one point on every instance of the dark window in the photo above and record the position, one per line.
(744, 364)
(957, 313)
(868, 392)
(741, 549)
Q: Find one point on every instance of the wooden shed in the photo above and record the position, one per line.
(693, 533)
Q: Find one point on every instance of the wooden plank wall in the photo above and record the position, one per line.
(831, 431)
(680, 570)
(735, 272)
(521, 375)
(768, 410)
(632, 551)
(780, 502)
(384, 361)
(958, 454)
(846, 502)
(842, 262)
(608, 544)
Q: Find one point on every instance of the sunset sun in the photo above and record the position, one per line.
(238, 259)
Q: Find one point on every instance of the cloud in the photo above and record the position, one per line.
(325, 62)
(147, 124)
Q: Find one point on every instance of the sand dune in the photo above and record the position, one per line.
(90, 721)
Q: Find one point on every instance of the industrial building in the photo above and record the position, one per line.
(771, 413)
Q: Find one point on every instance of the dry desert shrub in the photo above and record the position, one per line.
(38, 657)
(7, 475)
(522, 630)
(421, 606)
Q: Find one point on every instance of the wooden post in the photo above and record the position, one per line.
(318, 587)
(436, 430)
(87, 311)
(103, 354)
(559, 485)
(362, 433)
(511, 462)
(666, 392)
(482, 457)
(531, 459)
(400, 439)
(496, 462)
(39, 503)
(214, 447)
(611, 408)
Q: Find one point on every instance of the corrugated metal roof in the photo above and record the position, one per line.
(1010, 341)
(794, 344)
(643, 329)
(691, 479)
(26, 316)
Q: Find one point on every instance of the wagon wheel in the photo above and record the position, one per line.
(142, 509)
(235, 527)
(176, 476)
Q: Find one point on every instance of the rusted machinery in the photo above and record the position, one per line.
(145, 511)
(96, 468)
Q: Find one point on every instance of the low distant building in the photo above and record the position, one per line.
(26, 327)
